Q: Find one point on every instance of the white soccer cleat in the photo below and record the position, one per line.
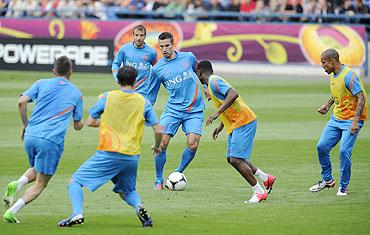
(322, 185)
(257, 197)
(342, 191)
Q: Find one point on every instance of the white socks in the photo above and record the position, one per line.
(261, 175)
(17, 206)
(21, 182)
(258, 189)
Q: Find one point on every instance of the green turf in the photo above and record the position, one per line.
(288, 130)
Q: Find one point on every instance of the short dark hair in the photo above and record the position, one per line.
(330, 54)
(205, 66)
(63, 65)
(166, 35)
(126, 76)
(140, 28)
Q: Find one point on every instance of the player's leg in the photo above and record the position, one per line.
(267, 179)
(188, 154)
(92, 174)
(240, 145)
(328, 139)
(171, 122)
(192, 126)
(160, 161)
(29, 176)
(45, 161)
(125, 185)
(345, 154)
(14, 186)
(250, 132)
(31, 194)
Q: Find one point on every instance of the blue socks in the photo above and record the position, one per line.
(133, 199)
(160, 160)
(187, 157)
(76, 196)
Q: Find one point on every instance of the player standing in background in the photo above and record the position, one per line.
(350, 111)
(177, 72)
(120, 116)
(240, 124)
(57, 99)
(139, 55)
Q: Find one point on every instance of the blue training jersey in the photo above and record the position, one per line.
(178, 76)
(57, 99)
(141, 59)
(149, 114)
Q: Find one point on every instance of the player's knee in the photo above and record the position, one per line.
(193, 146)
(321, 147)
(345, 153)
(233, 161)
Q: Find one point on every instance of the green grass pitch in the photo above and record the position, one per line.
(285, 145)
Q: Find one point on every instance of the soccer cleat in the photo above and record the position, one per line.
(257, 197)
(10, 218)
(158, 185)
(321, 185)
(342, 191)
(144, 217)
(10, 193)
(72, 220)
(269, 182)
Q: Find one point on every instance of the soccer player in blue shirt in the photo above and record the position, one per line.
(177, 72)
(120, 116)
(348, 96)
(138, 55)
(57, 100)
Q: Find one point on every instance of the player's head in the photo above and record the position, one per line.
(165, 41)
(330, 60)
(139, 34)
(204, 70)
(126, 76)
(63, 67)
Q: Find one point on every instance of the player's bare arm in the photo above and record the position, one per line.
(91, 122)
(22, 106)
(325, 107)
(78, 125)
(217, 130)
(359, 109)
(231, 96)
(158, 139)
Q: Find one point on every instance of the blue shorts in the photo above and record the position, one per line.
(240, 141)
(43, 154)
(191, 122)
(104, 166)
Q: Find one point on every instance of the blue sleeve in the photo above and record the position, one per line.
(149, 114)
(98, 108)
(116, 64)
(353, 85)
(194, 62)
(218, 86)
(78, 111)
(33, 91)
(154, 86)
(153, 57)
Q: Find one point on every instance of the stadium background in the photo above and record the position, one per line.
(268, 55)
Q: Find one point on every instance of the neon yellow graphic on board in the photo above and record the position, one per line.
(56, 28)
(317, 38)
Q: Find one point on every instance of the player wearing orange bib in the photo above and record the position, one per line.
(348, 96)
(240, 124)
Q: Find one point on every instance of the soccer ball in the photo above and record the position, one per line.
(176, 181)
